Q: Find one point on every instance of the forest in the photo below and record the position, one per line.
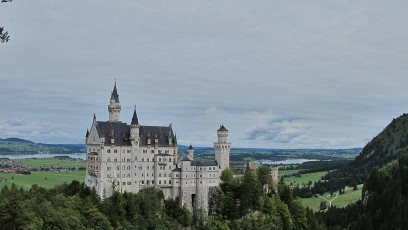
(244, 203)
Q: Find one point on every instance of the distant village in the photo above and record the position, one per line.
(8, 165)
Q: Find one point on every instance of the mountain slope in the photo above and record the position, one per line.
(16, 146)
(391, 143)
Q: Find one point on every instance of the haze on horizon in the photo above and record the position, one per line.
(277, 74)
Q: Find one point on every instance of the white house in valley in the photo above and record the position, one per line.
(129, 157)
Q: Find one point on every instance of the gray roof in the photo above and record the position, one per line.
(119, 130)
(204, 163)
(121, 133)
(222, 128)
(162, 133)
(135, 120)
(115, 95)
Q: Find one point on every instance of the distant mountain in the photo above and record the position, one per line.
(17, 146)
(14, 139)
(389, 145)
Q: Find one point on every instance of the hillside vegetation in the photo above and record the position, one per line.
(16, 146)
(389, 145)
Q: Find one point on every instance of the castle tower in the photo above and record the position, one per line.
(134, 127)
(114, 106)
(190, 151)
(274, 174)
(222, 148)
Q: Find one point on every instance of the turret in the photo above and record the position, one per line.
(190, 151)
(222, 148)
(114, 106)
(134, 127)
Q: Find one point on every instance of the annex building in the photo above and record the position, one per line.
(129, 157)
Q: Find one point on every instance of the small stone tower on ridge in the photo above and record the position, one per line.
(222, 148)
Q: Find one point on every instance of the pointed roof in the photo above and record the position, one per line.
(115, 95)
(222, 128)
(135, 120)
(190, 147)
(87, 133)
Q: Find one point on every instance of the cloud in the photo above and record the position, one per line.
(16, 122)
(278, 131)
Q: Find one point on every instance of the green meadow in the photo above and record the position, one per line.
(42, 178)
(47, 162)
(304, 178)
(342, 200)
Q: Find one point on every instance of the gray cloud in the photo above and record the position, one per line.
(277, 74)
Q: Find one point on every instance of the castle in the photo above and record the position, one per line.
(122, 157)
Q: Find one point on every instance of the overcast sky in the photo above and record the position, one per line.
(277, 74)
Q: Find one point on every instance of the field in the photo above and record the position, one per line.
(41, 178)
(47, 162)
(287, 172)
(341, 200)
(304, 178)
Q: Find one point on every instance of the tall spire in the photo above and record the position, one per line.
(114, 106)
(135, 120)
(115, 95)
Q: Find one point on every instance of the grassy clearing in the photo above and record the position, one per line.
(287, 172)
(47, 162)
(305, 178)
(39, 178)
(342, 200)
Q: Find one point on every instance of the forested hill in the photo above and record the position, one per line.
(391, 143)
(16, 146)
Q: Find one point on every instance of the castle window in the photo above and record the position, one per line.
(144, 151)
(201, 175)
(152, 181)
(159, 181)
(152, 151)
(128, 175)
(169, 181)
(108, 159)
(123, 183)
(169, 159)
(118, 168)
(115, 151)
(129, 183)
(128, 151)
(164, 182)
(148, 167)
(115, 160)
(159, 174)
(109, 168)
(165, 175)
(108, 151)
(108, 176)
(201, 182)
(128, 160)
(159, 159)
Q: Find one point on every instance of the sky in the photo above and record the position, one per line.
(277, 74)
